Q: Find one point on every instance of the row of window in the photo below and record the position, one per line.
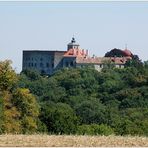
(101, 66)
(71, 64)
(47, 65)
(119, 66)
(36, 59)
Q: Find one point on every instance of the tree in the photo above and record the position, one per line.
(116, 98)
(32, 74)
(10, 114)
(59, 118)
(91, 111)
(28, 108)
(19, 108)
(134, 62)
(1, 114)
(95, 129)
(8, 77)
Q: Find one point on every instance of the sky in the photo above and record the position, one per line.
(96, 26)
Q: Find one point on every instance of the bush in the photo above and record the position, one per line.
(59, 118)
(95, 129)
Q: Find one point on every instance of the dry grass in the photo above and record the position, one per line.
(71, 141)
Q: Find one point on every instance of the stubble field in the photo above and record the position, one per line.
(71, 141)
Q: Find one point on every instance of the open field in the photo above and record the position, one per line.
(70, 141)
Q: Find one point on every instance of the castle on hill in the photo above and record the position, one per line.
(48, 61)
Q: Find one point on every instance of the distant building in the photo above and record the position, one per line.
(119, 53)
(44, 61)
(77, 57)
(49, 61)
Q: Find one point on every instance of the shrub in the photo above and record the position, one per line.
(95, 129)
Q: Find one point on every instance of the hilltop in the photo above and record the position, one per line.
(75, 101)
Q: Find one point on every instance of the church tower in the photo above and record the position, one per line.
(73, 44)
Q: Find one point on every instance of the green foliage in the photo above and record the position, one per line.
(32, 74)
(111, 98)
(8, 77)
(11, 122)
(94, 129)
(91, 111)
(107, 64)
(75, 101)
(59, 118)
(135, 62)
(41, 127)
(1, 113)
(134, 122)
(18, 108)
(28, 108)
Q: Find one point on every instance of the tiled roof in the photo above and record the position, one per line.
(76, 53)
(101, 60)
(127, 52)
(82, 57)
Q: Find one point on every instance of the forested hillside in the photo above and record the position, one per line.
(75, 101)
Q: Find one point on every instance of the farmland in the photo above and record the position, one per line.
(70, 141)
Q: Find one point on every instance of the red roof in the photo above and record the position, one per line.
(127, 52)
(83, 58)
(76, 52)
(101, 60)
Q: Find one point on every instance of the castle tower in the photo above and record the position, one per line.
(73, 44)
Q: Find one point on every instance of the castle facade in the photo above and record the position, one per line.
(46, 62)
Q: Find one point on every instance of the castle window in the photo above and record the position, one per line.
(42, 72)
(35, 65)
(41, 59)
(24, 64)
(32, 64)
(47, 65)
(41, 64)
(67, 64)
(71, 63)
(52, 65)
(29, 64)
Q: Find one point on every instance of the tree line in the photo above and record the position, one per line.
(75, 101)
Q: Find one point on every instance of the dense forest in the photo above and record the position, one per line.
(75, 101)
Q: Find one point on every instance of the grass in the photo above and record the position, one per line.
(71, 141)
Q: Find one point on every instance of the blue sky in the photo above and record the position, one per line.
(97, 26)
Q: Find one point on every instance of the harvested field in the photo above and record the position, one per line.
(70, 141)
